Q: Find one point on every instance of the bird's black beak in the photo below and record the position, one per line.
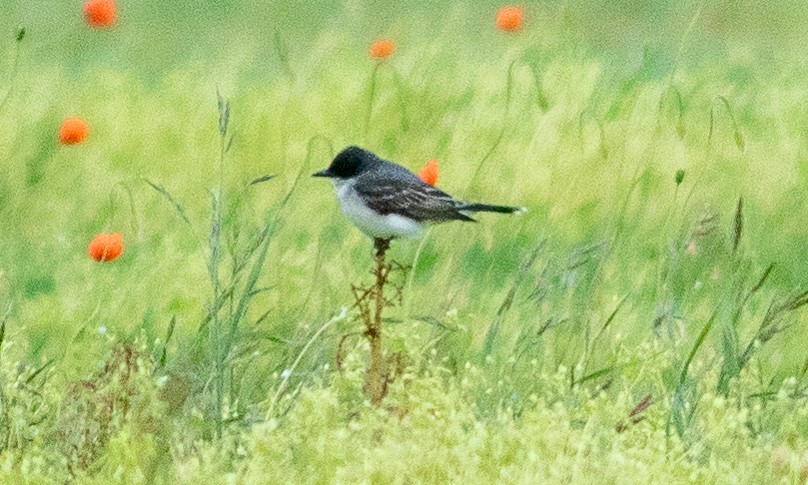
(322, 173)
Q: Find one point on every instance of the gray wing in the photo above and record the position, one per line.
(402, 192)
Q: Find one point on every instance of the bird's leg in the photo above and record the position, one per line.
(376, 377)
(381, 245)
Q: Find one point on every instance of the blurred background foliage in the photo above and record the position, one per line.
(607, 284)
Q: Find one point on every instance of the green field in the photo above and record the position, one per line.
(644, 322)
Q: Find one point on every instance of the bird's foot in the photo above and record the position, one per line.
(381, 245)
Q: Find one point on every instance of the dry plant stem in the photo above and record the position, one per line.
(376, 377)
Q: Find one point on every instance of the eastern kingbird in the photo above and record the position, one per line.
(387, 201)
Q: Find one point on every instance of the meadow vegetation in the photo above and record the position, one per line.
(643, 322)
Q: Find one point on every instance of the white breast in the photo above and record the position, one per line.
(370, 222)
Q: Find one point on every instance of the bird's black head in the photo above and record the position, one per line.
(348, 163)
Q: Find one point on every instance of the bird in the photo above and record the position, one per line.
(386, 201)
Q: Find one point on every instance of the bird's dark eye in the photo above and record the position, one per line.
(348, 163)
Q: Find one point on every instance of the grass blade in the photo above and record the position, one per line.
(501, 135)
(3, 325)
(610, 318)
(288, 372)
(263, 178)
(165, 193)
(164, 352)
(699, 341)
(737, 226)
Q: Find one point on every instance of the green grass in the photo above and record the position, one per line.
(525, 342)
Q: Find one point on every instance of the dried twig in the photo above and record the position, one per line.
(370, 302)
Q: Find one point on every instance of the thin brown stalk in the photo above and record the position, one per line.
(376, 377)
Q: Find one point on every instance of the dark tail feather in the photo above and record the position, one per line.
(501, 209)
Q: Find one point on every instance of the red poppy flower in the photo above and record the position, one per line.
(100, 13)
(509, 19)
(106, 246)
(73, 130)
(382, 48)
(429, 173)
